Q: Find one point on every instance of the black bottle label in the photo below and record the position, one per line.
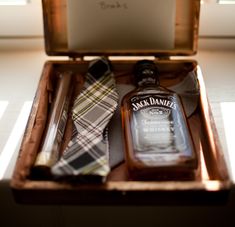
(157, 125)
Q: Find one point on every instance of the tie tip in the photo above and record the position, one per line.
(100, 67)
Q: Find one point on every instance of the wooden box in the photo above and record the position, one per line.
(212, 181)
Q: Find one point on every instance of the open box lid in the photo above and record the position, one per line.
(79, 28)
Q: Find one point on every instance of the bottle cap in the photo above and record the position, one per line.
(146, 72)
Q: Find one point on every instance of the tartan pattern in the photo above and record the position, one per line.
(87, 152)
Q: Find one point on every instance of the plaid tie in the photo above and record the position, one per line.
(87, 152)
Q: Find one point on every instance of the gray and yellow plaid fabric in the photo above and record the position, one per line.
(88, 151)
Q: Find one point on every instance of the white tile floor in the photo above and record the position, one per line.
(18, 83)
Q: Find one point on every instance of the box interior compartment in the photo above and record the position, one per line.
(211, 176)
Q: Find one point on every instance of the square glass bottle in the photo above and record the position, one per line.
(158, 141)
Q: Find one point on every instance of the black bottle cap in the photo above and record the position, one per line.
(145, 71)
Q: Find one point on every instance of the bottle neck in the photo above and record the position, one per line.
(148, 82)
(146, 74)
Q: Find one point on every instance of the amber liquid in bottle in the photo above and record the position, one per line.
(157, 139)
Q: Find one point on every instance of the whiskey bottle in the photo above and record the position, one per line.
(158, 142)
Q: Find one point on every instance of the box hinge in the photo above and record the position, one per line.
(162, 57)
(76, 58)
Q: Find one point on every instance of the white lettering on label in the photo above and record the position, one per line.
(151, 101)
